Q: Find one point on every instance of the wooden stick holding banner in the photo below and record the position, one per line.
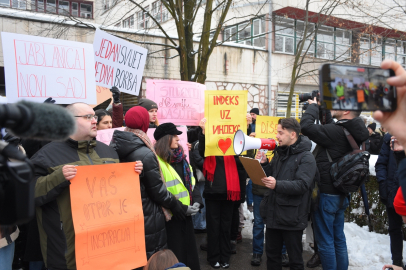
(225, 112)
(108, 217)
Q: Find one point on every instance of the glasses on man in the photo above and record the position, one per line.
(88, 116)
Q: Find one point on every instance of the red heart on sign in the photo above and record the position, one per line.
(224, 145)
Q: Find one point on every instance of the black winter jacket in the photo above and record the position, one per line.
(374, 143)
(153, 190)
(217, 190)
(331, 136)
(289, 202)
(387, 172)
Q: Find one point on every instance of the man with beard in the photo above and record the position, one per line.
(329, 216)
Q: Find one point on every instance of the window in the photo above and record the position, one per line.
(309, 42)
(244, 33)
(284, 35)
(249, 33)
(390, 49)
(86, 11)
(5, 3)
(63, 8)
(325, 42)
(230, 34)
(75, 9)
(376, 51)
(343, 45)
(129, 22)
(50, 6)
(364, 50)
(142, 19)
(401, 53)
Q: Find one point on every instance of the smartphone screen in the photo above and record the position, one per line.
(356, 88)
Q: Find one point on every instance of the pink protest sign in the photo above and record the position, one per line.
(105, 136)
(179, 102)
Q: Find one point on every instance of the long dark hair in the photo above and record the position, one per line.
(100, 114)
(163, 147)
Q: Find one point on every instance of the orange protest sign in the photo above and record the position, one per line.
(360, 96)
(108, 217)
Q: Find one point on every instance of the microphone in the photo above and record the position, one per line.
(41, 121)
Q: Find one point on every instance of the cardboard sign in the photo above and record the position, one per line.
(118, 63)
(106, 135)
(225, 112)
(254, 170)
(179, 102)
(108, 217)
(37, 68)
(266, 127)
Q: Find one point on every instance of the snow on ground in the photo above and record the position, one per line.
(366, 250)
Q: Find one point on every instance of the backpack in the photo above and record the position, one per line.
(351, 171)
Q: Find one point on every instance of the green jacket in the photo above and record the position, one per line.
(52, 195)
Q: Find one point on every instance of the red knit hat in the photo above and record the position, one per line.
(137, 118)
(399, 203)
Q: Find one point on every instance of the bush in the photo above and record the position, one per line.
(378, 217)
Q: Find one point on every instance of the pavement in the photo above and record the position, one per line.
(242, 260)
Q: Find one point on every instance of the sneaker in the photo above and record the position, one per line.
(256, 259)
(225, 265)
(314, 261)
(285, 260)
(215, 265)
(233, 247)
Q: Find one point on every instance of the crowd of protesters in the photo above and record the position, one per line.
(182, 198)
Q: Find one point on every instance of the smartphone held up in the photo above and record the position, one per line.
(356, 88)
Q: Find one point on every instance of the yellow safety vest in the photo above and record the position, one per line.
(340, 90)
(173, 182)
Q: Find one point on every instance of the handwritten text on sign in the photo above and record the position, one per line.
(37, 68)
(108, 217)
(181, 103)
(226, 113)
(106, 135)
(266, 127)
(118, 63)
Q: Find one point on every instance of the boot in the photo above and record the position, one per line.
(314, 261)
(256, 259)
(233, 247)
(285, 260)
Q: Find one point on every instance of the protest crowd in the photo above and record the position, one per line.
(183, 188)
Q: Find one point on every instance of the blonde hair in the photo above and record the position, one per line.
(161, 260)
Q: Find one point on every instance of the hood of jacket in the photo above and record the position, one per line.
(125, 142)
(357, 129)
(302, 144)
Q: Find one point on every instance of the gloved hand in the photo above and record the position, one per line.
(178, 212)
(191, 210)
(196, 205)
(49, 100)
(116, 94)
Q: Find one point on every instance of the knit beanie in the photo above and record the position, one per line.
(372, 126)
(147, 104)
(255, 110)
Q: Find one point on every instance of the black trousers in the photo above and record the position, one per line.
(274, 241)
(395, 234)
(235, 223)
(219, 214)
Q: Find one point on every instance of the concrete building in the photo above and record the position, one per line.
(259, 39)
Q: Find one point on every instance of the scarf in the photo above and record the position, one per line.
(232, 178)
(143, 136)
(177, 157)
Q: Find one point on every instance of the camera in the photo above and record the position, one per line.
(306, 96)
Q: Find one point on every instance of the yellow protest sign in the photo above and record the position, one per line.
(265, 127)
(225, 112)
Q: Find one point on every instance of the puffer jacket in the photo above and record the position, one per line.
(289, 203)
(331, 136)
(153, 190)
(52, 195)
(387, 172)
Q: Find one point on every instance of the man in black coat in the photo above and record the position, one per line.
(387, 176)
(290, 179)
(374, 140)
(329, 217)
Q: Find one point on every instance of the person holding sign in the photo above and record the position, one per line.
(225, 182)
(178, 175)
(131, 145)
(152, 109)
(55, 168)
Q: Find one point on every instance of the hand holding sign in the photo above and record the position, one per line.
(69, 172)
(138, 166)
